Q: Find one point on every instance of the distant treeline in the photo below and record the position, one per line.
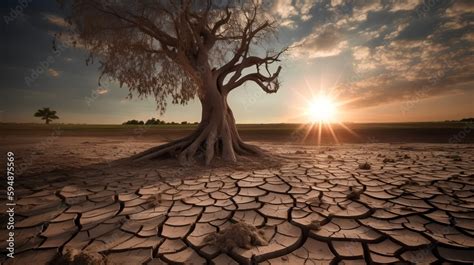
(154, 121)
(463, 120)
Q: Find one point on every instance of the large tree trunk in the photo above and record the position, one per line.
(216, 134)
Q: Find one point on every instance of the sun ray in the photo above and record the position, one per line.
(319, 133)
(348, 129)
(308, 131)
(321, 107)
(332, 133)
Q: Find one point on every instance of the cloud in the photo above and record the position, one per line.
(322, 42)
(288, 23)
(102, 90)
(304, 7)
(362, 8)
(419, 28)
(407, 70)
(387, 89)
(460, 7)
(56, 20)
(404, 5)
(284, 9)
(335, 3)
(398, 48)
(67, 39)
(289, 12)
(53, 73)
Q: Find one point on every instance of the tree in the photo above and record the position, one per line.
(151, 121)
(46, 114)
(131, 122)
(180, 50)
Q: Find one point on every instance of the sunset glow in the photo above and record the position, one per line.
(322, 109)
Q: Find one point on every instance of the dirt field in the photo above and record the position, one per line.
(41, 148)
(390, 193)
(440, 132)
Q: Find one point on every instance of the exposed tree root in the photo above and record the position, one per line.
(216, 136)
(204, 144)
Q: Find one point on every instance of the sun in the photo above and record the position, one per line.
(322, 109)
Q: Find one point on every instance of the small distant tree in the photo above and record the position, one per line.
(151, 121)
(132, 122)
(184, 122)
(46, 114)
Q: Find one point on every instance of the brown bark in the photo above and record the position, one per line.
(216, 134)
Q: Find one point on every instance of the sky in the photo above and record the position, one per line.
(378, 61)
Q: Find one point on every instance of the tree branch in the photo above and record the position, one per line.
(249, 62)
(269, 84)
(222, 21)
(143, 24)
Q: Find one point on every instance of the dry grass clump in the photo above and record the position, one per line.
(240, 235)
(316, 201)
(354, 194)
(365, 166)
(389, 160)
(72, 256)
(155, 200)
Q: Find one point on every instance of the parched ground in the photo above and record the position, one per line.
(410, 203)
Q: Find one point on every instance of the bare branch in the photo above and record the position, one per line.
(221, 21)
(269, 84)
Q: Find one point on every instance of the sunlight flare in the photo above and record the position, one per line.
(322, 109)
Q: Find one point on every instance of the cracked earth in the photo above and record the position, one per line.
(408, 204)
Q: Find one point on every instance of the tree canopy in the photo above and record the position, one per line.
(181, 49)
(46, 114)
(162, 48)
